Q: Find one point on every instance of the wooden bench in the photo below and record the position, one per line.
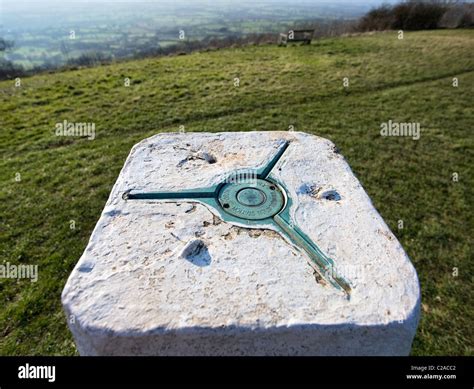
(304, 36)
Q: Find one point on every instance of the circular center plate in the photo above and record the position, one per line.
(251, 197)
(251, 201)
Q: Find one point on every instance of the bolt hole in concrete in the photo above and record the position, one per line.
(331, 195)
(207, 157)
(198, 156)
(319, 193)
(197, 253)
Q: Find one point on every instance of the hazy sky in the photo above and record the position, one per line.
(209, 2)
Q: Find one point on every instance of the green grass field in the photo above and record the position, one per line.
(64, 179)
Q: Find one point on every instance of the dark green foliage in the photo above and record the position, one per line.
(418, 15)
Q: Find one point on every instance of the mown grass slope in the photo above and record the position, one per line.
(66, 179)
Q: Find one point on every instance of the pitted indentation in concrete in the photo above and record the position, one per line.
(197, 253)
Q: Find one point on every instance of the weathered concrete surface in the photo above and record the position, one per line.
(164, 278)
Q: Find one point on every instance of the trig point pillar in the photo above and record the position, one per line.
(248, 243)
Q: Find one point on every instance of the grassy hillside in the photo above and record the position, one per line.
(409, 80)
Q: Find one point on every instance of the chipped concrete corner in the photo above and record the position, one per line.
(172, 278)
